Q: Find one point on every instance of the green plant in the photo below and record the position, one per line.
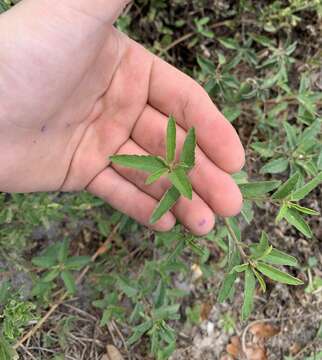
(158, 167)
(57, 263)
(260, 63)
(261, 256)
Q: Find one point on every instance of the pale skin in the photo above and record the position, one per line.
(74, 91)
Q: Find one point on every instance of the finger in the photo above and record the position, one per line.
(212, 184)
(127, 198)
(195, 215)
(172, 92)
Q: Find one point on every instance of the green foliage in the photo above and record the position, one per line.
(56, 262)
(16, 315)
(176, 173)
(262, 79)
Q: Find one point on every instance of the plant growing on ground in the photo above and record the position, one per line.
(266, 83)
(254, 261)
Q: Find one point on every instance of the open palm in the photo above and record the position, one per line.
(75, 90)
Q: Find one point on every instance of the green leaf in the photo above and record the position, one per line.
(303, 209)
(295, 218)
(227, 287)
(319, 163)
(291, 134)
(41, 288)
(171, 140)
(229, 43)
(77, 262)
(232, 113)
(287, 187)
(206, 65)
(187, 156)
(165, 204)
(247, 211)
(277, 257)
(263, 149)
(69, 281)
(254, 190)
(260, 280)
(240, 268)
(44, 262)
(63, 250)
(249, 292)
(140, 162)
(5, 288)
(263, 248)
(195, 246)
(127, 288)
(156, 176)
(307, 188)
(281, 213)
(50, 275)
(277, 275)
(139, 331)
(166, 312)
(275, 166)
(159, 294)
(180, 180)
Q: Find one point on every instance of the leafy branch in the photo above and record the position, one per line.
(176, 172)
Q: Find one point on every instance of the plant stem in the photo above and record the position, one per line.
(233, 235)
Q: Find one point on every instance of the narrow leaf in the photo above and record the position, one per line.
(77, 262)
(156, 176)
(165, 204)
(69, 281)
(263, 248)
(171, 140)
(277, 257)
(249, 292)
(307, 188)
(287, 187)
(281, 213)
(277, 275)
(240, 268)
(257, 189)
(63, 250)
(295, 218)
(187, 156)
(275, 166)
(260, 280)
(50, 275)
(304, 210)
(140, 162)
(139, 331)
(180, 180)
(44, 262)
(226, 287)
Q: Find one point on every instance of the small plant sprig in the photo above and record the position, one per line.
(176, 172)
(57, 263)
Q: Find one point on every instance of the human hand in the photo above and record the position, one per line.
(75, 91)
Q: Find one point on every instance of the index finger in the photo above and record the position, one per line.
(173, 92)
